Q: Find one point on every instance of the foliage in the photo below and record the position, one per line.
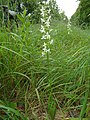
(56, 85)
(10, 111)
(55, 11)
(27, 78)
(51, 110)
(33, 7)
(75, 18)
(85, 12)
(82, 15)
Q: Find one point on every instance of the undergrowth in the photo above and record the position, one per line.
(32, 88)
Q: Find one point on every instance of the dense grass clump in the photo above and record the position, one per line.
(37, 88)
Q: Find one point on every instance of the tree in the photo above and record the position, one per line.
(33, 7)
(83, 13)
(55, 12)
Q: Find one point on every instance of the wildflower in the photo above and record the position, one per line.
(49, 11)
(42, 30)
(29, 15)
(69, 27)
(45, 49)
(43, 2)
(51, 42)
(47, 23)
(43, 54)
(64, 18)
(45, 28)
(42, 20)
(42, 14)
(42, 11)
(47, 36)
(49, 18)
(44, 44)
(43, 37)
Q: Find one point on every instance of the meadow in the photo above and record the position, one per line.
(51, 87)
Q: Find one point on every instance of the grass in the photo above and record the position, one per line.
(39, 90)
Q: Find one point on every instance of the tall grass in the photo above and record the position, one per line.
(25, 78)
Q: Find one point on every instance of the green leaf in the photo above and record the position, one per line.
(11, 110)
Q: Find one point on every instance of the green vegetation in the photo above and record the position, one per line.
(27, 78)
(82, 14)
(32, 7)
(54, 85)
